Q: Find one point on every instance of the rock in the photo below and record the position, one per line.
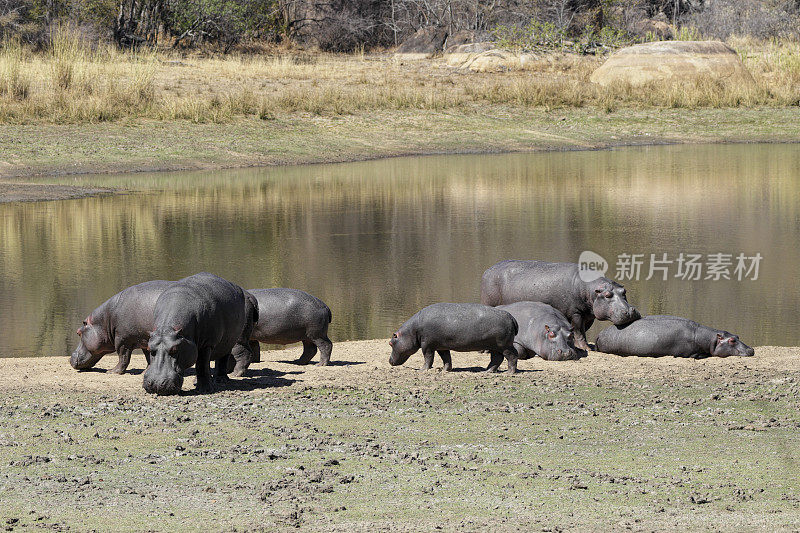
(423, 44)
(466, 37)
(494, 61)
(459, 54)
(659, 28)
(675, 61)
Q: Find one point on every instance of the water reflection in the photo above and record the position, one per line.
(378, 240)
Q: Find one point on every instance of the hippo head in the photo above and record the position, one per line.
(403, 344)
(727, 344)
(170, 355)
(559, 344)
(610, 303)
(94, 344)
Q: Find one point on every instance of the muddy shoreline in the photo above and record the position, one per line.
(606, 443)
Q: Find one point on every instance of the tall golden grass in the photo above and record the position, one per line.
(76, 82)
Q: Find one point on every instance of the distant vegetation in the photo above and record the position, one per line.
(348, 25)
(74, 61)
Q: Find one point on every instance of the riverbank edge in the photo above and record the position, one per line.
(31, 154)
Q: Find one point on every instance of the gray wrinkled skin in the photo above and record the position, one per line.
(446, 327)
(286, 316)
(197, 320)
(121, 324)
(246, 352)
(543, 331)
(558, 285)
(664, 335)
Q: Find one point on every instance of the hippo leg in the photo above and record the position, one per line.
(511, 357)
(428, 355)
(255, 348)
(203, 369)
(447, 360)
(309, 351)
(124, 360)
(221, 369)
(579, 327)
(325, 348)
(494, 363)
(147, 356)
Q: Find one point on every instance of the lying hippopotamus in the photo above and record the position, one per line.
(661, 335)
(197, 320)
(444, 327)
(286, 316)
(122, 323)
(245, 352)
(543, 331)
(559, 285)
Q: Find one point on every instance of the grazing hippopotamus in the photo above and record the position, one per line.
(286, 316)
(244, 353)
(559, 285)
(444, 327)
(662, 335)
(543, 331)
(198, 319)
(121, 324)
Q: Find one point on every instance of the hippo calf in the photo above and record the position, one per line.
(543, 331)
(558, 285)
(286, 316)
(120, 324)
(197, 320)
(662, 335)
(444, 327)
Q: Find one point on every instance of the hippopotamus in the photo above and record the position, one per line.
(662, 335)
(120, 324)
(244, 352)
(559, 285)
(443, 327)
(543, 331)
(286, 316)
(197, 320)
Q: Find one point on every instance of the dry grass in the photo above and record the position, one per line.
(73, 83)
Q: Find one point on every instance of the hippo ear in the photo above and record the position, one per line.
(177, 329)
(89, 320)
(719, 338)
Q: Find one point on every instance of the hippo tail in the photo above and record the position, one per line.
(516, 325)
(330, 315)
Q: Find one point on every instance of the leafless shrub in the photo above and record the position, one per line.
(762, 19)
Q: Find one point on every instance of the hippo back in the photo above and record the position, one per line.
(289, 315)
(209, 309)
(535, 281)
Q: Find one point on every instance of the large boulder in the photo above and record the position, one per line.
(457, 55)
(422, 44)
(673, 61)
(492, 61)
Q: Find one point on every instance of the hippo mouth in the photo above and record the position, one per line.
(162, 377)
(82, 359)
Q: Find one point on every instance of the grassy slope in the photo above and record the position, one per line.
(27, 150)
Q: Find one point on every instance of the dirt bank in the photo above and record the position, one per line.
(59, 150)
(606, 443)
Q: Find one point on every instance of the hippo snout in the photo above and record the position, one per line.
(749, 352)
(82, 359)
(162, 377)
(163, 384)
(626, 317)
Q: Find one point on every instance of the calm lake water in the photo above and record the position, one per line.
(379, 240)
